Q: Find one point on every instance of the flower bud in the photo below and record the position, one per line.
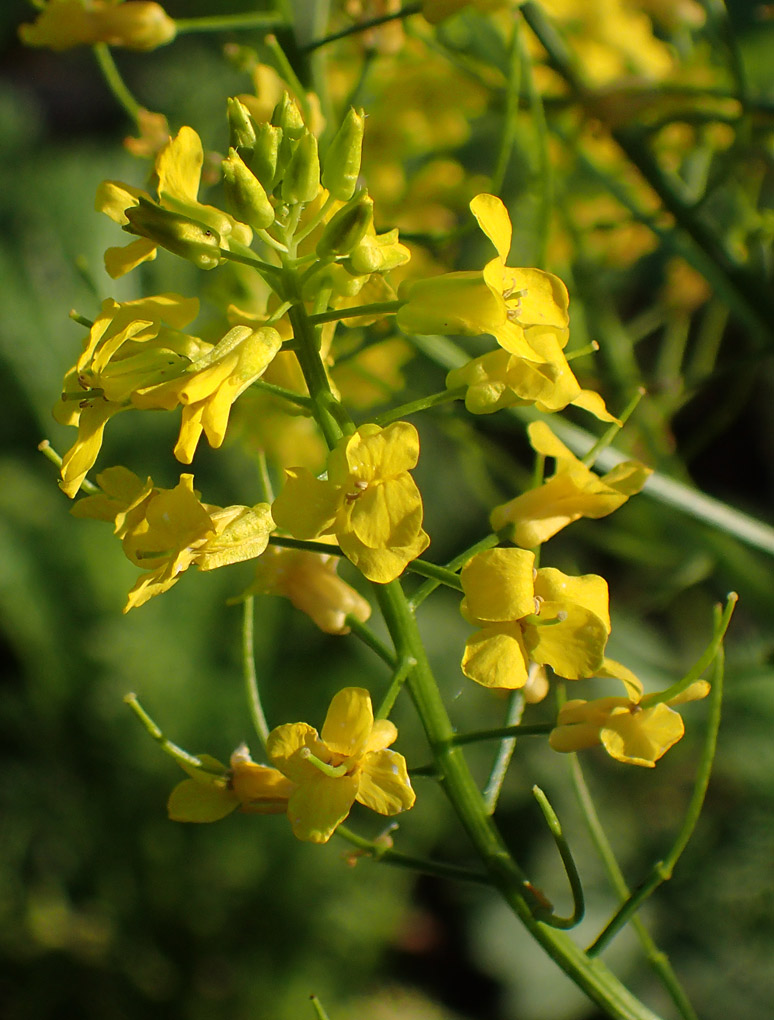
(287, 116)
(265, 156)
(301, 182)
(378, 253)
(348, 227)
(342, 161)
(241, 130)
(245, 195)
(184, 237)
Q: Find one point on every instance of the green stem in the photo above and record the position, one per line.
(597, 982)
(609, 435)
(248, 671)
(510, 118)
(382, 852)
(517, 730)
(433, 400)
(367, 636)
(662, 870)
(317, 1006)
(264, 268)
(375, 308)
(50, 453)
(454, 565)
(402, 670)
(362, 26)
(181, 757)
(504, 754)
(441, 574)
(657, 959)
(284, 394)
(229, 22)
(115, 82)
(578, 902)
(706, 660)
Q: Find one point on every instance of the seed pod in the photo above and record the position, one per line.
(245, 195)
(301, 182)
(348, 227)
(187, 238)
(342, 161)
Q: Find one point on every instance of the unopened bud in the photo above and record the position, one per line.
(301, 181)
(287, 116)
(378, 253)
(241, 130)
(245, 195)
(265, 156)
(348, 227)
(342, 161)
(193, 241)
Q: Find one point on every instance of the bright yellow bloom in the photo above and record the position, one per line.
(500, 379)
(347, 762)
(368, 500)
(628, 731)
(136, 25)
(499, 300)
(312, 584)
(214, 791)
(526, 616)
(574, 491)
(178, 170)
(208, 386)
(131, 345)
(165, 531)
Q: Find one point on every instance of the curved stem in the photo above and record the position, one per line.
(441, 574)
(504, 754)
(248, 671)
(578, 902)
(367, 636)
(421, 404)
(115, 82)
(362, 26)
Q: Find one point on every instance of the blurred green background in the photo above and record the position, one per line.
(109, 911)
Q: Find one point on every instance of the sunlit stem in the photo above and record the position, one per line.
(505, 751)
(713, 649)
(228, 22)
(433, 400)
(441, 574)
(282, 393)
(50, 453)
(171, 749)
(517, 730)
(381, 851)
(610, 434)
(264, 268)
(115, 82)
(429, 586)
(333, 771)
(266, 237)
(318, 1008)
(569, 866)
(662, 870)
(367, 636)
(363, 26)
(657, 959)
(252, 691)
(377, 307)
(402, 670)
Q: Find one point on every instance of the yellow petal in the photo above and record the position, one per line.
(260, 789)
(498, 584)
(193, 802)
(349, 722)
(283, 744)
(179, 166)
(119, 261)
(382, 565)
(384, 516)
(587, 590)
(493, 218)
(317, 807)
(641, 738)
(306, 506)
(384, 783)
(496, 657)
(573, 648)
(242, 534)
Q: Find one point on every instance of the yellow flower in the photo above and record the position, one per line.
(574, 491)
(137, 25)
(499, 300)
(500, 379)
(368, 500)
(130, 345)
(312, 584)
(208, 386)
(525, 616)
(628, 731)
(214, 791)
(178, 171)
(165, 531)
(347, 762)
